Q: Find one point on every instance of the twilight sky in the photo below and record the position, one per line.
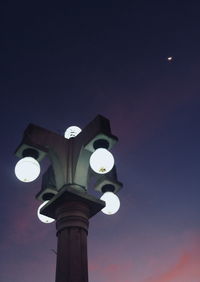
(61, 65)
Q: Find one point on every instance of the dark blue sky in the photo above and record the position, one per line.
(62, 64)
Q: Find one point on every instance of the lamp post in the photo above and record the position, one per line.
(74, 159)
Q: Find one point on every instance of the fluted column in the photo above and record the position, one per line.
(72, 208)
(72, 229)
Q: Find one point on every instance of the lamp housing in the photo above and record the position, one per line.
(98, 129)
(27, 147)
(108, 180)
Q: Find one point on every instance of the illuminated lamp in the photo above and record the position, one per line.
(44, 218)
(72, 131)
(112, 203)
(101, 160)
(27, 169)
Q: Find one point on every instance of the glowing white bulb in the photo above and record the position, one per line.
(27, 169)
(112, 203)
(72, 131)
(102, 161)
(44, 218)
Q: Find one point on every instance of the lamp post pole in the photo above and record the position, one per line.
(72, 229)
(72, 209)
(65, 187)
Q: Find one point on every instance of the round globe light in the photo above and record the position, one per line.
(112, 203)
(27, 169)
(102, 161)
(44, 218)
(72, 131)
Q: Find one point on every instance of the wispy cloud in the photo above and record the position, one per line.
(184, 269)
(178, 261)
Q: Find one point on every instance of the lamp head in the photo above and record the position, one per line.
(99, 129)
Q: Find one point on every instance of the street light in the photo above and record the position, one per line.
(64, 192)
